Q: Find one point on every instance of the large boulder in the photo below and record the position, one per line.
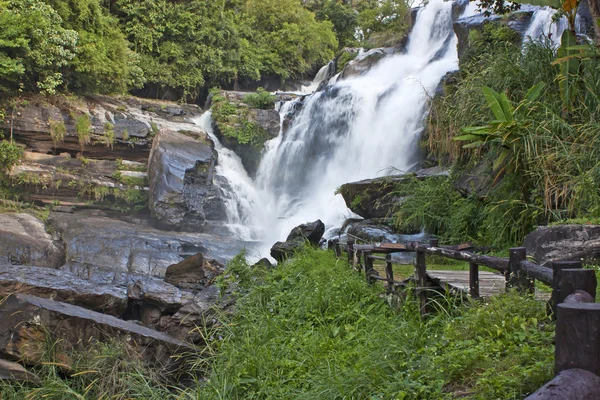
(373, 231)
(16, 372)
(379, 197)
(311, 232)
(25, 241)
(477, 180)
(564, 243)
(29, 322)
(117, 243)
(194, 273)
(180, 174)
(244, 128)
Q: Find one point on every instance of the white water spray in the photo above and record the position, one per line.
(545, 25)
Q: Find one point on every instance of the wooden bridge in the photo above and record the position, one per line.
(572, 302)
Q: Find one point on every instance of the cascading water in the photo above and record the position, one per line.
(358, 128)
(543, 24)
(245, 215)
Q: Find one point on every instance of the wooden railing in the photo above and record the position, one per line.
(572, 302)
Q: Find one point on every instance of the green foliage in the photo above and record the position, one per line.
(312, 329)
(109, 135)
(10, 154)
(83, 128)
(58, 130)
(233, 121)
(34, 46)
(260, 99)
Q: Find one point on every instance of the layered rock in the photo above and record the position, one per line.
(24, 241)
(311, 232)
(564, 243)
(181, 172)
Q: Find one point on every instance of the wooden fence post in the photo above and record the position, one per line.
(389, 272)
(434, 242)
(357, 264)
(368, 266)
(516, 278)
(338, 250)
(421, 277)
(557, 295)
(474, 280)
(350, 245)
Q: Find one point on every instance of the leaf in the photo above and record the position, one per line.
(541, 3)
(467, 137)
(501, 158)
(477, 130)
(494, 102)
(474, 145)
(570, 5)
(507, 107)
(534, 92)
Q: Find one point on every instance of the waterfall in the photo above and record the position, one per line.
(324, 73)
(245, 216)
(358, 128)
(543, 24)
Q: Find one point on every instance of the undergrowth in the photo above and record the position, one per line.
(313, 329)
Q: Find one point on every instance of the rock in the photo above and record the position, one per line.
(113, 242)
(379, 197)
(62, 286)
(564, 243)
(374, 231)
(199, 312)
(29, 322)
(24, 241)
(477, 180)
(263, 262)
(572, 384)
(16, 372)
(364, 61)
(180, 175)
(241, 118)
(311, 232)
(194, 273)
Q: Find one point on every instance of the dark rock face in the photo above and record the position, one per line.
(477, 180)
(194, 273)
(27, 320)
(365, 61)
(564, 243)
(24, 241)
(180, 175)
(378, 198)
(311, 232)
(112, 242)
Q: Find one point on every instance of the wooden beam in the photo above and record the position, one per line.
(474, 280)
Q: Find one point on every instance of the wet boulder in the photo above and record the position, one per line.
(564, 243)
(311, 232)
(29, 322)
(374, 231)
(181, 169)
(117, 243)
(194, 273)
(13, 371)
(24, 241)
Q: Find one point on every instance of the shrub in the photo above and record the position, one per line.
(10, 154)
(260, 99)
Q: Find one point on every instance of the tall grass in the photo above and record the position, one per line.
(313, 329)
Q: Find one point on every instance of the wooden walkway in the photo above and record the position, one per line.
(490, 283)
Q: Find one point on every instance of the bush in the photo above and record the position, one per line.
(10, 154)
(260, 99)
